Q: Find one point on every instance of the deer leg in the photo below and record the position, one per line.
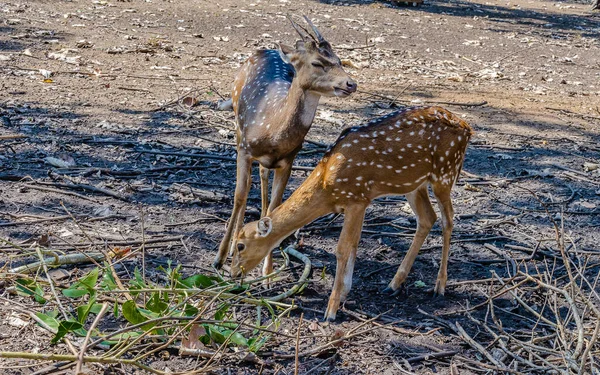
(442, 193)
(280, 179)
(264, 193)
(242, 188)
(421, 206)
(264, 190)
(354, 216)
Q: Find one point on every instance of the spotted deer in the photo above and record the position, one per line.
(275, 97)
(399, 154)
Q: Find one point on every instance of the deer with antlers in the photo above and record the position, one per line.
(275, 97)
(399, 154)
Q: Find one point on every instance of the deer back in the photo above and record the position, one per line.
(395, 154)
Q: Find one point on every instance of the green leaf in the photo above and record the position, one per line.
(138, 281)
(197, 281)
(116, 310)
(237, 289)
(190, 310)
(420, 284)
(26, 287)
(48, 320)
(215, 335)
(84, 310)
(65, 327)
(254, 344)
(156, 304)
(96, 307)
(90, 279)
(74, 293)
(132, 313)
(38, 296)
(108, 279)
(236, 338)
(220, 314)
(83, 286)
(121, 337)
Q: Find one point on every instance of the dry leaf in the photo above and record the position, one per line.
(64, 162)
(338, 334)
(45, 73)
(15, 321)
(349, 64)
(588, 167)
(470, 187)
(193, 339)
(62, 55)
(189, 101)
(44, 240)
(84, 44)
(103, 211)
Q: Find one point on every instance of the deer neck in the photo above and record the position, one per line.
(301, 105)
(306, 204)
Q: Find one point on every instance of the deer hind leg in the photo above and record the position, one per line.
(421, 206)
(442, 193)
(242, 188)
(346, 256)
(280, 179)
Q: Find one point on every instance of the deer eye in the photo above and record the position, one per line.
(318, 65)
(241, 247)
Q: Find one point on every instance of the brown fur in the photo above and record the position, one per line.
(399, 154)
(273, 113)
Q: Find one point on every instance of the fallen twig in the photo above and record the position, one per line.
(61, 260)
(87, 337)
(76, 185)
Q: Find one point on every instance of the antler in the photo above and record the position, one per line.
(315, 30)
(297, 28)
(319, 39)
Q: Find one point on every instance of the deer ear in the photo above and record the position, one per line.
(301, 46)
(286, 52)
(264, 226)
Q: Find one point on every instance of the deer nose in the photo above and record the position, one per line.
(351, 85)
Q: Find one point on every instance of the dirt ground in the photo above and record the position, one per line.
(94, 84)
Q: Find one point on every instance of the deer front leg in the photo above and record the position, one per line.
(242, 188)
(280, 179)
(346, 256)
(421, 206)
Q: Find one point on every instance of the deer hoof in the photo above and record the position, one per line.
(329, 318)
(438, 293)
(217, 264)
(438, 296)
(393, 293)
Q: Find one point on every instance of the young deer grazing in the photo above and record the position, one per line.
(275, 97)
(399, 154)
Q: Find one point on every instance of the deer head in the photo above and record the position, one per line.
(318, 68)
(256, 233)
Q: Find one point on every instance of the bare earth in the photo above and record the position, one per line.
(524, 74)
